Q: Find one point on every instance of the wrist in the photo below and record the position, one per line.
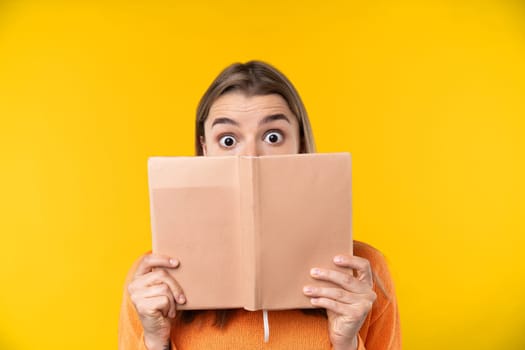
(352, 345)
(157, 343)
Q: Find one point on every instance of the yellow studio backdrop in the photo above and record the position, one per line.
(429, 97)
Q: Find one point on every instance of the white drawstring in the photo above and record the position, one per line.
(266, 326)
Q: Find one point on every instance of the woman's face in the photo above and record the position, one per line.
(250, 126)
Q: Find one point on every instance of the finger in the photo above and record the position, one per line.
(354, 311)
(153, 306)
(337, 294)
(150, 261)
(157, 277)
(156, 291)
(344, 280)
(361, 266)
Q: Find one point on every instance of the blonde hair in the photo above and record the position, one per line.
(254, 78)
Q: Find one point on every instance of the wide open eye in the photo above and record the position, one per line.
(273, 137)
(227, 141)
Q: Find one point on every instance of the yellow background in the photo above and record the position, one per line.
(427, 96)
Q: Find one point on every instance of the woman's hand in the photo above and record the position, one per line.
(347, 303)
(155, 294)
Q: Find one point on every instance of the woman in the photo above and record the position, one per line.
(252, 109)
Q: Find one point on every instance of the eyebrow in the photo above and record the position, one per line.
(224, 121)
(274, 117)
(265, 120)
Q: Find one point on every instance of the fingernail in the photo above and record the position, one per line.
(182, 299)
(174, 262)
(308, 290)
(315, 272)
(172, 313)
(338, 259)
(314, 300)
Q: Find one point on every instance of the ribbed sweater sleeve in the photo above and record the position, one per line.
(381, 330)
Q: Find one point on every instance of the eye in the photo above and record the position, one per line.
(273, 137)
(227, 141)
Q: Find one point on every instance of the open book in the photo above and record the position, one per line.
(247, 230)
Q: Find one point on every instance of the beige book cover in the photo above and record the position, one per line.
(247, 230)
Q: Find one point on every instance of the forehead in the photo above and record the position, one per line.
(238, 103)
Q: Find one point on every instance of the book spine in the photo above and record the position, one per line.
(256, 235)
(248, 215)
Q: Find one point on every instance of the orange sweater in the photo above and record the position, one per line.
(289, 329)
